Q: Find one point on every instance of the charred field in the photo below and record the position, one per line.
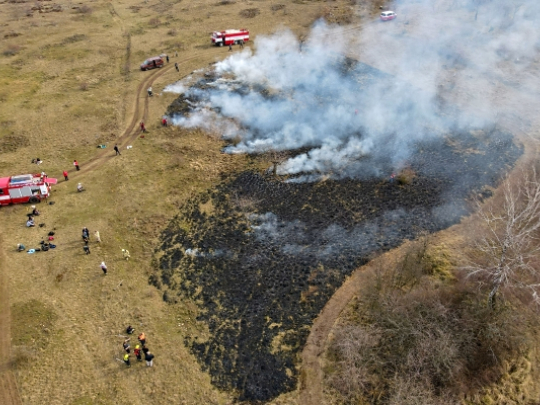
(260, 255)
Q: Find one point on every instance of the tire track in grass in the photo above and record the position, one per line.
(140, 111)
(9, 394)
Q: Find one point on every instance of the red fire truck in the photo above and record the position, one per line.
(26, 188)
(230, 37)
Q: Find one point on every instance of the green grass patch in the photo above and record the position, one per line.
(32, 324)
(63, 53)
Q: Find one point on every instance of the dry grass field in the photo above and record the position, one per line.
(69, 80)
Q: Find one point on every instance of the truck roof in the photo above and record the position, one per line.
(23, 178)
(231, 31)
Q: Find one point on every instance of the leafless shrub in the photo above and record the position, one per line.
(154, 22)
(277, 7)
(337, 14)
(84, 9)
(83, 86)
(406, 176)
(172, 32)
(352, 348)
(12, 50)
(250, 12)
(225, 2)
(506, 256)
(411, 338)
(12, 34)
(408, 391)
(276, 157)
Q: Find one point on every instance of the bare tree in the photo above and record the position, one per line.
(509, 249)
(276, 157)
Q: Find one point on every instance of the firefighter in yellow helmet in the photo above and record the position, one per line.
(137, 352)
(126, 360)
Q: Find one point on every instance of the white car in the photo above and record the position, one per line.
(388, 15)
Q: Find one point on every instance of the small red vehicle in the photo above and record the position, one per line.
(152, 63)
(26, 188)
(388, 15)
(230, 37)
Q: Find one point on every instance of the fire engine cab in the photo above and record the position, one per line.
(26, 188)
(230, 37)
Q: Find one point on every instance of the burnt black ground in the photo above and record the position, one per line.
(270, 254)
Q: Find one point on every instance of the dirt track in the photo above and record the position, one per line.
(139, 113)
(9, 394)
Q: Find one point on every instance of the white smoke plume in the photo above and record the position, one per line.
(480, 58)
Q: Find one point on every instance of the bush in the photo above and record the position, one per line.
(84, 9)
(12, 50)
(413, 338)
(154, 22)
(277, 7)
(172, 32)
(337, 14)
(406, 176)
(250, 12)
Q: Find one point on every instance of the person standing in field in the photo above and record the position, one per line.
(86, 249)
(137, 352)
(65, 174)
(98, 238)
(85, 234)
(149, 357)
(103, 267)
(176, 66)
(126, 360)
(76, 164)
(143, 128)
(126, 346)
(116, 150)
(126, 254)
(142, 338)
(167, 57)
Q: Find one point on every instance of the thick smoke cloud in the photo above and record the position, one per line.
(288, 95)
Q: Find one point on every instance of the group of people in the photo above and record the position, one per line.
(139, 350)
(241, 43)
(65, 173)
(86, 239)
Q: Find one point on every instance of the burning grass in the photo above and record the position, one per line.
(265, 259)
(44, 113)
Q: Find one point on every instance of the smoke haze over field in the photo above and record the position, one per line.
(288, 95)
